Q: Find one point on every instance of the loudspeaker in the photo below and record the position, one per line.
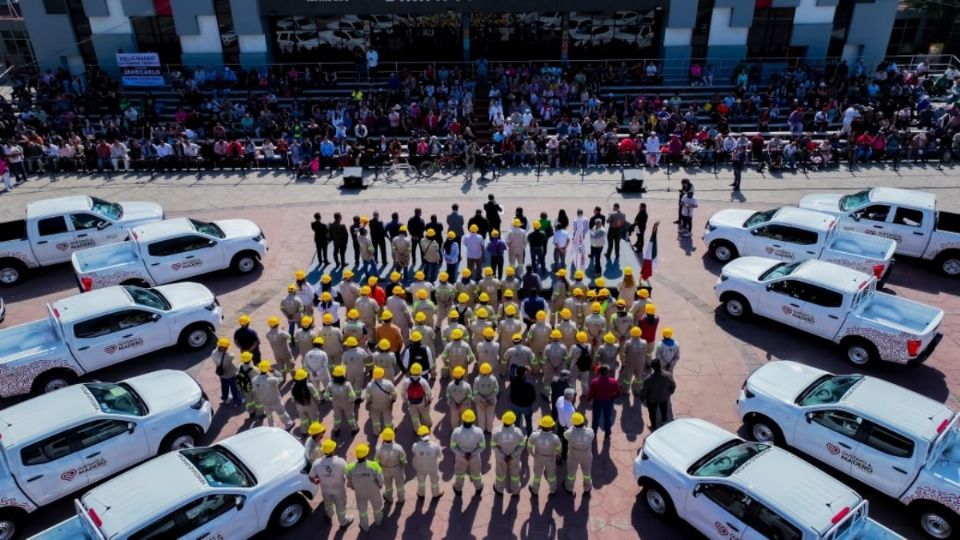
(353, 177)
(632, 181)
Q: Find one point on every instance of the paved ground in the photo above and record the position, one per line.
(717, 353)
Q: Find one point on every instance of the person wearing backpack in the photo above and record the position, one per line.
(416, 394)
(417, 354)
(580, 358)
(244, 380)
(226, 369)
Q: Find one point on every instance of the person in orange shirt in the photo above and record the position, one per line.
(389, 331)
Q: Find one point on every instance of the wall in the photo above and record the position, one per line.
(54, 41)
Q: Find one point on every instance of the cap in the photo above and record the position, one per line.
(348, 274)
(609, 338)
(395, 276)
(423, 430)
(628, 271)
(489, 333)
(451, 235)
(555, 334)
(474, 228)
(487, 271)
(443, 277)
(273, 322)
(387, 434)
(416, 369)
(422, 294)
(397, 290)
(372, 280)
(650, 309)
(577, 419)
(517, 222)
(511, 309)
(621, 303)
(416, 336)
(378, 373)
(511, 271)
(463, 298)
(517, 338)
(643, 293)
(536, 225)
(595, 307)
(244, 320)
(301, 275)
(339, 370)
(318, 340)
(469, 416)
(541, 315)
(562, 272)
(577, 291)
(326, 278)
(264, 366)
(565, 313)
(482, 313)
(454, 314)
(508, 418)
(353, 314)
(508, 293)
(326, 297)
(582, 337)
(635, 332)
(386, 315)
(306, 321)
(419, 275)
(328, 318)
(578, 274)
(351, 342)
(362, 450)
(457, 333)
(431, 233)
(484, 297)
(667, 333)
(366, 290)
(420, 317)
(291, 288)
(246, 357)
(495, 233)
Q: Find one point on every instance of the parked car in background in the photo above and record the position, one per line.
(341, 39)
(297, 23)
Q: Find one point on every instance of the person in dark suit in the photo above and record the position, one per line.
(340, 236)
(320, 238)
(378, 235)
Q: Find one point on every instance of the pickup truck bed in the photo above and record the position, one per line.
(109, 256)
(29, 339)
(871, 530)
(900, 313)
(71, 529)
(861, 244)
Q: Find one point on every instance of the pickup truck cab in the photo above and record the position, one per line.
(55, 228)
(172, 250)
(59, 443)
(832, 302)
(795, 234)
(726, 487)
(907, 216)
(87, 332)
(247, 483)
(899, 442)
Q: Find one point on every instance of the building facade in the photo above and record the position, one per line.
(73, 33)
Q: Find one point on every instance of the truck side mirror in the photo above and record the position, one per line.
(855, 216)
(697, 490)
(103, 225)
(154, 317)
(240, 501)
(754, 231)
(808, 417)
(131, 427)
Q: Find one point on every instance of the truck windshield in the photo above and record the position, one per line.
(856, 200)
(760, 217)
(117, 398)
(219, 467)
(210, 229)
(726, 459)
(780, 270)
(147, 297)
(828, 389)
(107, 209)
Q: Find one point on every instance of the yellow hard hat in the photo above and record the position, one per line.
(403, 228)
(650, 309)
(577, 419)
(451, 235)
(463, 298)
(326, 278)
(508, 293)
(422, 294)
(667, 333)
(591, 294)
(328, 318)
(328, 446)
(495, 233)
(487, 271)
(562, 272)
(536, 225)
(577, 291)
(457, 333)
(423, 430)
(361, 451)
(246, 357)
(339, 370)
(416, 337)
(621, 303)
(419, 275)
(609, 338)
(273, 322)
(326, 297)
(565, 313)
(547, 422)
(482, 313)
(387, 434)
(474, 228)
(416, 369)
(223, 343)
(643, 293)
(555, 334)
(595, 307)
(604, 293)
(384, 344)
(316, 428)
(484, 297)
(635, 332)
(511, 271)
(489, 332)
(517, 338)
(364, 219)
(300, 374)
(306, 321)
(578, 274)
(264, 366)
(353, 314)
(443, 277)
(541, 315)
(366, 290)
(582, 337)
(420, 317)
(378, 373)
(458, 372)
(466, 272)
(301, 275)
(318, 340)
(291, 288)
(244, 320)
(486, 368)
(398, 290)
(469, 416)
(386, 315)
(454, 314)
(431, 233)
(348, 274)
(350, 342)
(600, 282)
(395, 276)
(509, 418)
(517, 222)
(372, 281)
(628, 271)
(510, 310)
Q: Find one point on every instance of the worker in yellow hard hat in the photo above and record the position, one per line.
(246, 338)
(544, 445)
(402, 248)
(330, 473)
(509, 442)
(393, 459)
(306, 399)
(279, 341)
(417, 395)
(426, 455)
(266, 391)
(225, 366)
(313, 446)
(342, 395)
(245, 374)
(579, 452)
(459, 395)
(291, 307)
(516, 241)
(380, 394)
(467, 443)
(365, 476)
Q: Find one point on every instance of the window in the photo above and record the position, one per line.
(218, 467)
(769, 34)
(148, 298)
(730, 499)
(116, 398)
(858, 199)
(772, 525)
(780, 270)
(760, 217)
(163, 528)
(819, 296)
(888, 442)
(96, 327)
(205, 510)
(783, 233)
(175, 246)
(82, 222)
(908, 217)
(94, 433)
(726, 459)
(209, 229)
(133, 318)
(55, 7)
(47, 450)
(788, 287)
(50, 226)
(828, 390)
(842, 422)
(874, 212)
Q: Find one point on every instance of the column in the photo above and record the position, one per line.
(869, 32)
(681, 19)
(52, 37)
(111, 31)
(812, 25)
(196, 24)
(248, 25)
(729, 27)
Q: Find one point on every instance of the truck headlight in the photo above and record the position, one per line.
(259, 237)
(724, 277)
(199, 404)
(212, 306)
(709, 227)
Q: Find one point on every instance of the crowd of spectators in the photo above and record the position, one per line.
(497, 114)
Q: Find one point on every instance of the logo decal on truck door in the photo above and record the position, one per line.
(70, 474)
(76, 244)
(884, 234)
(123, 345)
(797, 314)
(186, 264)
(780, 252)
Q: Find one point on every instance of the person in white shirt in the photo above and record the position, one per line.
(119, 156)
(373, 59)
(52, 152)
(191, 154)
(687, 204)
(473, 247)
(652, 150)
(565, 410)
(580, 239)
(561, 241)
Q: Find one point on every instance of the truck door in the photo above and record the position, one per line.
(718, 510)
(182, 257)
(108, 446)
(830, 436)
(93, 230)
(823, 311)
(872, 220)
(221, 516)
(111, 338)
(911, 227)
(52, 240)
(50, 469)
(782, 302)
(886, 460)
(779, 242)
(766, 523)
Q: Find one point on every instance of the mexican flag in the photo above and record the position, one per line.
(650, 254)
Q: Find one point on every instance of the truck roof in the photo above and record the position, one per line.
(161, 230)
(906, 197)
(685, 440)
(58, 205)
(45, 414)
(797, 489)
(801, 217)
(81, 306)
(904, 410)
(832, 275)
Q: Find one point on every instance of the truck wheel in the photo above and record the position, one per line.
(948, 263)
(935, 520)
(289, 513)
(12, 271)
(244, 263)
(52, 381)
(179, 439)
(764, 430)
(657, 500)
(860, 352)
(737, 307)
(723, 251)
(10, 522)
(195, 337)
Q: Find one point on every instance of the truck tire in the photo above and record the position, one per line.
(948, 263)
(657, 500)
(859, 352)
(289, 513)
(764, 430)
(736, 306)
(195, 337)
(52, 381)
(11, 519)
(12, 271)
(180, 438)
(245, 262)
(935, 520)
(723, 251)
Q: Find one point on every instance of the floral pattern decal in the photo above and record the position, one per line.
(928, 493)
(891, 346)
(18, 379)
(115, 278)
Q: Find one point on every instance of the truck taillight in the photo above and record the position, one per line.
(878, 271)
(913, 347)
(95, 518)
(840, 515)
(86, 283)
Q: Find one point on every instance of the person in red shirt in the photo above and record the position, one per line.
(603, 390)
(864, 147)
(628, 151)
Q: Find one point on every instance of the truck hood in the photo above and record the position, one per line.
(748, 268)
(270, 453)
(682, 442)
(731, 217)
(166, 390)
(238, 228)
(138, 212)
(822, 202)
(783, 380)
(182, 295)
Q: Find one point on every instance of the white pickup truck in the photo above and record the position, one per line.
(55, 228)
(728, 488)
(894, 440)
(172, 250)
(795, 234)
(91, 331)
(56, 444)
(910, 217)
(250, 482)
(832, 302)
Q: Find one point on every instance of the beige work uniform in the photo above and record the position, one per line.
(356, 360)
(554, 361)
(392, 458)
(428, 337)
(568, 332)
(279, 341)
(512, 283)
(349, 292)
(467, 443)
(369, 309)
(401, 250)
(357, 330)
(419, 412)
(366, 480)
(456, 353)
(668, 356)
(341, 396)
(609, 355)
(516, 245)
(620, 325)
(401, 315)
(428, 309)
(459, 399)
(380, 396)
(579, 455)
(386, 360)
(291, 307)
(266, 392)
(582, 375)
(330, 472)
(308, 410)
(488, 352)
(445, 295)
(311, 449)
(538, 337)
(476, 332)
(486, 389)
(317, 365)
(508, 327)
(519, 355)
(544, 447)
(634, 365)
(304, 339)
(491, 286)
(595, 326)
(507, 443)
(332, 343)
(576, 308)
(426, 462)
